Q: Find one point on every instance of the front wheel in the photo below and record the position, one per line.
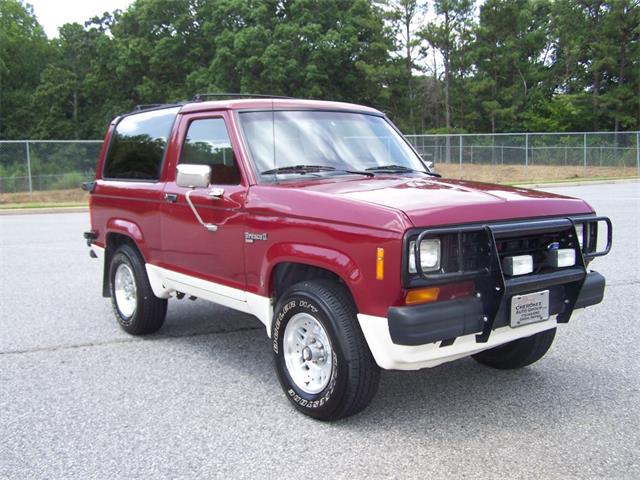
(321, 357)
(519, 353)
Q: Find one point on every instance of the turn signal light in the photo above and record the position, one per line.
(422, 295)
(450, 291)
(380, 264)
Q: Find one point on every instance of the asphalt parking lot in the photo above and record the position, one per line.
(79, 398)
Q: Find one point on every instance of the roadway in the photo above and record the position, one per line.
(79, 398)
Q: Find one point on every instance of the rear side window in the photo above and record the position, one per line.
(138, 144)
(208, 143)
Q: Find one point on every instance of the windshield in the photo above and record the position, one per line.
(321, 143)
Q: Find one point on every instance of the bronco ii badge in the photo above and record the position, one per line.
(251, 237)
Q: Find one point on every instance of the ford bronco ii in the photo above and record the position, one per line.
(323, 221)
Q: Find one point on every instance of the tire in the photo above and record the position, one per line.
(321, 357)
(519, 353)
(136, 308)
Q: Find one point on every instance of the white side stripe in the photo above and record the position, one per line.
(164, 282)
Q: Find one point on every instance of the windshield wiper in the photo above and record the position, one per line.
(399, 169)
(300, 169)
(303, 169)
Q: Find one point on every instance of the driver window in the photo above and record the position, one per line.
(207, 143)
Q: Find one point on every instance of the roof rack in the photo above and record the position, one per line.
(201, 97)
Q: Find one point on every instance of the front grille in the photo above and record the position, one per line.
(471, 252)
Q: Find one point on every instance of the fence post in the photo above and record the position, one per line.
(526, 150)
(26, 144)
(584, 153)
(460, 156)
(638, 152)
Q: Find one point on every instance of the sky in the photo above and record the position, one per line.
(52, 14)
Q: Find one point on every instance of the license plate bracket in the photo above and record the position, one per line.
(529, 308)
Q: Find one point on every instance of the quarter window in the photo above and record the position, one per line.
(138, 145)
(207, 143)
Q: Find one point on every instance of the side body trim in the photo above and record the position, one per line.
(165, 282)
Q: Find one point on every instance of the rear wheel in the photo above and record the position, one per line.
(136, 308)
(519, 353)
(322, 360)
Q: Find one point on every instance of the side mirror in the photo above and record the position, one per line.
(193, 176)
(429, 165)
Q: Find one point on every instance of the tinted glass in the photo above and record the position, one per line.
(137, 148)
(208, 143)
(335, 140)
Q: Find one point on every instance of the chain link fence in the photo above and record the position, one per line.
(533, 156)
(39, 165)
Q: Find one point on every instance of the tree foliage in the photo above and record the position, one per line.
(494, 66)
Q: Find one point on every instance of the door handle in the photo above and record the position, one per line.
(171, 197)
(216, 193)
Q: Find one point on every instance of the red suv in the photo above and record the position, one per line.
(320, 219)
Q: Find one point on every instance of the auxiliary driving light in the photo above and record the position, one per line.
(519, 265)
(563, 257)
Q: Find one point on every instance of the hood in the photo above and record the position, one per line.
(433, 201)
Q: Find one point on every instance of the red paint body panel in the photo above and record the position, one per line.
(328, 232)
(334, 223)
(432, 202)
(126, 207)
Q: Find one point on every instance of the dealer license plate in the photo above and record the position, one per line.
(530, 308)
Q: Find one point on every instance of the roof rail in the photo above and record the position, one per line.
(148, 106)
(153, 106)
(201, 97)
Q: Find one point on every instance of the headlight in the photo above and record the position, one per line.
(580, 232)
(429, 255)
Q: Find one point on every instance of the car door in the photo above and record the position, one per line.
(207, 261)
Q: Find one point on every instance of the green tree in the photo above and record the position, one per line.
(449, 36)
(24, 52)
(596, 61)
(310, 48)
(509, 54)
(403, 17)
(157, 44)
(65, 98)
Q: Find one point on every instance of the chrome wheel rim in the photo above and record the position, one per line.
(125, 290)
(307, 353)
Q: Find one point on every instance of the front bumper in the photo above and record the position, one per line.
(433, 322)
(428, 335)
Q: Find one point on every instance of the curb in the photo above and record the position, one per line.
(35, 211)
(579, 183)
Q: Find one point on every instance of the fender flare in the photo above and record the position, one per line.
(329, 259)
(129, 229)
